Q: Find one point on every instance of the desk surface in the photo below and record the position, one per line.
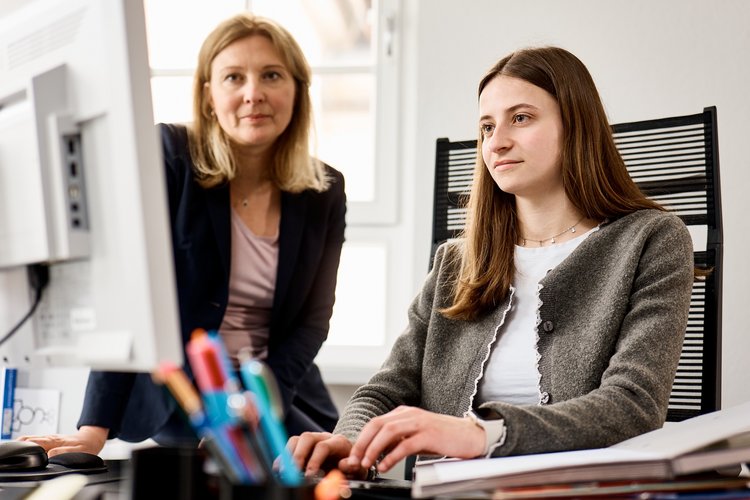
(116, 484)
(100, 486)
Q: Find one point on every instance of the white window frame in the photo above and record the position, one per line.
(383, 210)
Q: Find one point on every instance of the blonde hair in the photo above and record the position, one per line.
(595, 178)
(293, 169)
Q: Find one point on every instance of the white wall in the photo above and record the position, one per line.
(649, 59)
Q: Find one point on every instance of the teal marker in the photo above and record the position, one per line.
(260, 381)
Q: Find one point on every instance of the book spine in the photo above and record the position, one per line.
(9, 390)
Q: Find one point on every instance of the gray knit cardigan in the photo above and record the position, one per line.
(612, 321)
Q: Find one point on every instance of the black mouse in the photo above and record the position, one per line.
(21, 455)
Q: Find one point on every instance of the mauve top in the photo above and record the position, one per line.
(252, 281)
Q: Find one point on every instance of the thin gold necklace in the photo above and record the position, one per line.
(240, 199)
(551, 239)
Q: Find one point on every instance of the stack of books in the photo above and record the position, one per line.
(666, 459)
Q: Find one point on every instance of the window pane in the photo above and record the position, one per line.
(173, 99)
(330, 32)
(345, 127)
(338, 37)
(176, 28)
(359, 313)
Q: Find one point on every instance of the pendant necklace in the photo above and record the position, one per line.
(551, 239)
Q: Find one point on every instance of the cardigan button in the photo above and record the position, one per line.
(545, 398)
(548, 326)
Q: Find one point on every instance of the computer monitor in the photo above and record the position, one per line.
(82, 190)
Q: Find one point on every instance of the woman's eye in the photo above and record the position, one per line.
(520, 118)
(486, 129)
(232, 77)
(272, 75)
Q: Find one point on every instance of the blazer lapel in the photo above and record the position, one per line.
(217, 202)
(291, 229)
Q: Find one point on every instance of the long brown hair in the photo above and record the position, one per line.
(293, 168)
(594, 177)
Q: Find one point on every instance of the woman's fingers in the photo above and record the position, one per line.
(47, 442)
(327, 453)
(317, 451)
(352, 471)
(382, 434)
(386, 440)
(87, 439)
(301, 446)
(390, 438)
(57, 444)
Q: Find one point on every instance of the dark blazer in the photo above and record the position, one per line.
(310, 239)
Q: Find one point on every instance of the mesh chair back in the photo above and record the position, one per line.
(675, 161)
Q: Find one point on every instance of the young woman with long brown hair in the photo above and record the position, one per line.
(557, 321)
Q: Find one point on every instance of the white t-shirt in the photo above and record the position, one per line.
(511, 374)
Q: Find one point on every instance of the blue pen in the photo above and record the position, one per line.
(259, 380)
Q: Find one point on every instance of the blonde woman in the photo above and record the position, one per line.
(257, 228)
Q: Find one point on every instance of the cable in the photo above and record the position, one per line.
(38, 275)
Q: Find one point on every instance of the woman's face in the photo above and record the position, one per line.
(522, 133)
(251, 92)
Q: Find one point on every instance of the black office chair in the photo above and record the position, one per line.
(675, 161)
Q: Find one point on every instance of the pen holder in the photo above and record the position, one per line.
(180, 473)
(167, 472)
(229, 491)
